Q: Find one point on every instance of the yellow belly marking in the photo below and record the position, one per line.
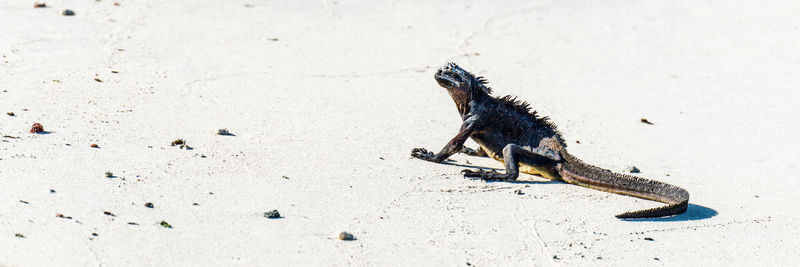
(523, 168)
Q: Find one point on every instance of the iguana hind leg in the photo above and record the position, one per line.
(512, 153)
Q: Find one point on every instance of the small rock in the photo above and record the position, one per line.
(633, 169)
(109, 214)
(149, 205)
(94, 234)
(98, 80)
(37, 128)
(20, 235)
(24, 202)
(132, 223)
(52, 191)
(39, 5)
(11, 114)
(224, 132)
(346, 236)
(181, 144)
(165, 224)
(68, 12)
(109, 175)
(645, 121)
(519, 192)
(94, 146)
(274, 214)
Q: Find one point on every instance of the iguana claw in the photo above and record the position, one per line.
(422, 154)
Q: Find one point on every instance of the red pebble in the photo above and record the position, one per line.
(37, 128)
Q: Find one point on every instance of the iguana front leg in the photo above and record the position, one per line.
(539, 157)
(455, 145)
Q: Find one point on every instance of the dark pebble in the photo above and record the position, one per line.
(346, 236)
(633, 169)
(272, 214)
(68, 12)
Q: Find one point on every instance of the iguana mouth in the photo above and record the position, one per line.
(449, 77)
(446, 81)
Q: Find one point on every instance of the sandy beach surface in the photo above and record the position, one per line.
(325, 100)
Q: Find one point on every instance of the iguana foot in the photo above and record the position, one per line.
(422, 154)
(485, 175)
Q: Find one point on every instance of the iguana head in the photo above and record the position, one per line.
(460, 84)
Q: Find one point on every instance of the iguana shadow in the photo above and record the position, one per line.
(452, 163)
(693, 213)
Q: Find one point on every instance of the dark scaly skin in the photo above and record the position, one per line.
(508, 131)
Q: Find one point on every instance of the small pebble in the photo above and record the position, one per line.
(519, 192)
(109, 175)
(633, 169)
(149, 205)
(165, 224)
(10, 114)
(39, 5)
(648, 238)
(272, 214)
(20, 235)
(37, 128)
(223, 132)
(94, 146)
(68, 12)
(645, 121)
(346, 236)
(109, 214)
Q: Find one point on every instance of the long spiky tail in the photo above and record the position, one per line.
(574, 171)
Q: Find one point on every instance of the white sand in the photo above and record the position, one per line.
(343, 95)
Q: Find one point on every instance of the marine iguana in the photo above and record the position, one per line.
(509, 131)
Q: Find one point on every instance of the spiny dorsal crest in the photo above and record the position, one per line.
(524, 108)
